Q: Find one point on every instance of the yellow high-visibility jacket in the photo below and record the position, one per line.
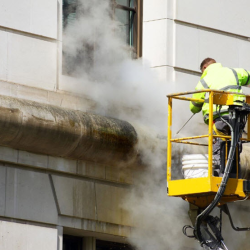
(220, 78)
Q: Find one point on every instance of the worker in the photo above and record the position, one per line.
(215, 76)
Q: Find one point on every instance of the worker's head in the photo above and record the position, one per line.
(205, 63)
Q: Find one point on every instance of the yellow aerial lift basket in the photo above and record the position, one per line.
(201, 191)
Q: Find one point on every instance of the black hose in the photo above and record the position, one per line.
(224, 181)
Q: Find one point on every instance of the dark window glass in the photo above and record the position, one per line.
(127, 12)
(69, 12)
(72, 242)
(125, 19)
(123, 2)
(107, 245)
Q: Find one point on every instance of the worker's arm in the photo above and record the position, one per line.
(243, 76)
(196, 107)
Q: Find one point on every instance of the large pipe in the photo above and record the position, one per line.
(244, 162)
(52, 130)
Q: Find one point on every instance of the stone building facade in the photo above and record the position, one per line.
(50, 199)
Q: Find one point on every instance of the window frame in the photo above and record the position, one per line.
(137, 23)
(137, 29)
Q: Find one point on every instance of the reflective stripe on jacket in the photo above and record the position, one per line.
(220, 78)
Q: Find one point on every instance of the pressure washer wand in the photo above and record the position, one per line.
(185, 123)
(224, 245)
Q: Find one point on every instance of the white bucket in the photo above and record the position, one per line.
(195, 166)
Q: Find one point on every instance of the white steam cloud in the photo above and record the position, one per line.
(128, 89)
(122, 87)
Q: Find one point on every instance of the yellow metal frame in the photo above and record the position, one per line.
(201, 191)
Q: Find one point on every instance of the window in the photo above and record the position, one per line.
(107, 245)
(69, 12)
(72, 242)
(70, 60)
(127, 12)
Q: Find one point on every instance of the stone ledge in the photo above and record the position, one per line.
(52, 130)
(72, 167)
(59, 98)
(94, 228)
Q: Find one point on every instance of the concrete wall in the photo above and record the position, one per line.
(50, 195)
(189, 31)
(68, 193)
(20, 236)
(41, 196)
(29, 42)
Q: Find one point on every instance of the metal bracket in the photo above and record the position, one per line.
(193, 212)
(225, 209)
